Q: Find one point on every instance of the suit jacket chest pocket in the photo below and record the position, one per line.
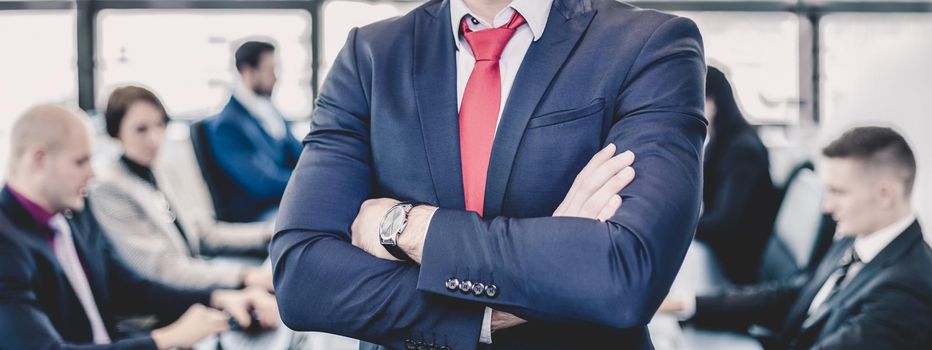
(567, 116)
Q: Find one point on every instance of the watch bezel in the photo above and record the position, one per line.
(389, 235)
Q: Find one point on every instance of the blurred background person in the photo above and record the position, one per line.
(61, 285)
(140, 211)
(251, 141)
(873, 290)
(739, 199)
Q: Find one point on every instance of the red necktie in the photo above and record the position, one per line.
(480, 106)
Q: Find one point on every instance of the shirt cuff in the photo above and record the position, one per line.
(485, 335)
(688, 303)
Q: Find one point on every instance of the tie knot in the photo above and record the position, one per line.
(851, 257)
(488, 44)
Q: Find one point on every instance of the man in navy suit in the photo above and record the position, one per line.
(478, 116)
(251, 142)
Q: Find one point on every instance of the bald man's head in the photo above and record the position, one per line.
(50, 157)
(43, 126)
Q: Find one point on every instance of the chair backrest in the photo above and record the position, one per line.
(214, 176)
(798, 228)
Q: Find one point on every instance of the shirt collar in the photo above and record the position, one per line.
(869, 246)
(535, 12)
(39, 214)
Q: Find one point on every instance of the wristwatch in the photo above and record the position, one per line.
(393, 224)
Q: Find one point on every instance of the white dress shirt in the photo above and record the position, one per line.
(535, 13)
(67, 256)
(263, 110)
(867, 247)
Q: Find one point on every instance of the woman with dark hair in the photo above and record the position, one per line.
(161, 235)
(738, 195)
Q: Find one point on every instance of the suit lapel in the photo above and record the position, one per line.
(541, 64)
(884, 259)
(435, 90)
(27, 230)
(889, 255)
(801, 308)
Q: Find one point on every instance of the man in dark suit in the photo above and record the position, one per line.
(251, 141)
(873, 290)
(481, 113)
(61, 284)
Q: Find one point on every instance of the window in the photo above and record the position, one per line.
(760, 52)
(186, 56)
(339, 17)
(876, 70)
(38, 65)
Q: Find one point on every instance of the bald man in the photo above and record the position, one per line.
(61, 284)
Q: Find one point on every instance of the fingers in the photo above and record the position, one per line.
(599, 200)
(614, 203)
(267, 311)
(240, 313)
(600, 157)
(596, 180)
(216, 320)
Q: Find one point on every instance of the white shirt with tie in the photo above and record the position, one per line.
(866, 247)
(67, 255)
(535, 13)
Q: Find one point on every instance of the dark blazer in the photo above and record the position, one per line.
(38, 308)
(740, 203)
(887, 305)
(257, 165)
(386, 125)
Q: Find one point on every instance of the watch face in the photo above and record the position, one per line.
(392, 223)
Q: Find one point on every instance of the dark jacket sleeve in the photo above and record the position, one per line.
(897, 316)
(767, 305)
(612, 273)
(324, 283)
(23, 325)
(745, 164)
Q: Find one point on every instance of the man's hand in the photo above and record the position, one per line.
(502, 320)
(196, 324)
(258, 277)
(671, 306)
(241, 303)
(594, 193)
(365, 228)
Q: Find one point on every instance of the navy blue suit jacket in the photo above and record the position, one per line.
(40, 310)
(386, 126)
(257, 164)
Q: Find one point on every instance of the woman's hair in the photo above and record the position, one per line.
(728, 118)
(121, 100)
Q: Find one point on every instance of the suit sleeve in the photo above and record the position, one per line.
(898, 316)
(734, 194)
(737, 309)
(23, 325)
(614, 273)
(257, 172)
(324, 283)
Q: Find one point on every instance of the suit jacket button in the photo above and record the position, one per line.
(466, 286)
(453, 284)
(491, 290)
(478, 289)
